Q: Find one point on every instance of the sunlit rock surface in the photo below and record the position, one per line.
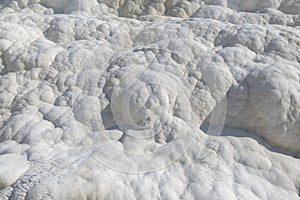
(105, 99)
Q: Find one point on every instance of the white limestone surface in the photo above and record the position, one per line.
(105, 99)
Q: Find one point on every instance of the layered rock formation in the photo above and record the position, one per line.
(105, 99)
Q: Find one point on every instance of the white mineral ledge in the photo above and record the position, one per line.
(150, 99)
(11, 168)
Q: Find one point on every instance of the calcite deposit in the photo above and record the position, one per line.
(150, 99)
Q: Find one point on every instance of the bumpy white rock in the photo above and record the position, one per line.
(105, 99)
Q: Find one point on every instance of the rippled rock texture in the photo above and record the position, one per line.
(150, 99)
